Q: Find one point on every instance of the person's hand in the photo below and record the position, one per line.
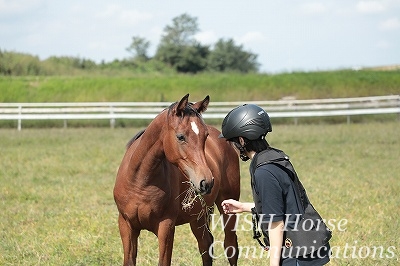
(231, 206)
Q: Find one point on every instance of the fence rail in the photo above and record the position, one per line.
(285, 108)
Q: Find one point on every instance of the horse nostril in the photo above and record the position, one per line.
(203, 185)
(206, 187)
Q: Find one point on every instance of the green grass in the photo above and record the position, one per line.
(221, 87)
(57, 205)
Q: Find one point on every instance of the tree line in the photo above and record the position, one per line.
(178, 51)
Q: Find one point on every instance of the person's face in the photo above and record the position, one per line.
(244, 156)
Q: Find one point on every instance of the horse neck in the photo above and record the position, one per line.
(150, 150)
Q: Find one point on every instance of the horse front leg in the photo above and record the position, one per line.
(129, 239)
(204, 240)
(165, 234)
(230, 240)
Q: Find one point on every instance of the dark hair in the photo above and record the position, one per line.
(257, 145)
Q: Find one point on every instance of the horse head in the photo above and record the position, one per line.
(184, 142)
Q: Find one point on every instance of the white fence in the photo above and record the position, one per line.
(217, 110)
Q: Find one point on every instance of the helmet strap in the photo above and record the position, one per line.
(243, 156)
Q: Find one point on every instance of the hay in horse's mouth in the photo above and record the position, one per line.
(191, 196)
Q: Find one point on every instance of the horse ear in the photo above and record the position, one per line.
(182, 105)
(202, 105)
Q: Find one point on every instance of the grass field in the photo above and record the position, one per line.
(221, 87)
(57, 206)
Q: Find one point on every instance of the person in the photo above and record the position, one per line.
(274, 196)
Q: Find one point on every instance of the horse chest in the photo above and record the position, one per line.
(151, 201)
(150, 209)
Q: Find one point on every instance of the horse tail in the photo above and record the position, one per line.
(134, 138)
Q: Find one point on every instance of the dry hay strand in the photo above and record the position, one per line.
(189, 200)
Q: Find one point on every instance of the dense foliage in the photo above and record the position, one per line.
(178, 51)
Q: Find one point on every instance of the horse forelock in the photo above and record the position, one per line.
(188, 111)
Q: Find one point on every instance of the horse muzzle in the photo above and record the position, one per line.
(205, 187)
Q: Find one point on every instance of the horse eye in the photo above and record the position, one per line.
(180, 137)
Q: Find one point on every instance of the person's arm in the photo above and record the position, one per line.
(234, 206)
(275, 241)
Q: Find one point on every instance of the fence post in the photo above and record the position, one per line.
(398, 100)
(19, 117)
(112, 119)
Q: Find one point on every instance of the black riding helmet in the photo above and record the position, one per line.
(247, 120)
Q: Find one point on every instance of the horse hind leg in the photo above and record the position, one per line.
(129, 239)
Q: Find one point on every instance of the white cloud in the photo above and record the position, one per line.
(34, 39)
(252, 37)
(123, 16)
(9, 7)
(155, 32)
(206, 37)
(369, 7)
(109, 12)
(313, 8)
(390, 24)
(384, 44)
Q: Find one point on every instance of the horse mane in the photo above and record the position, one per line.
(135, 138)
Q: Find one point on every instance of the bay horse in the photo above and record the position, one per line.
(173, 173)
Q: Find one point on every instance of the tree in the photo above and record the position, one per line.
(179, 49)
(139, 48)
(181, 33)
(193, 59)
(226, 56)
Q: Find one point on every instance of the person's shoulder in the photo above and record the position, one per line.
(268, 171)
(271, 172)
(270, 167)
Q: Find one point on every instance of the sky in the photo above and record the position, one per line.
(286, 35)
